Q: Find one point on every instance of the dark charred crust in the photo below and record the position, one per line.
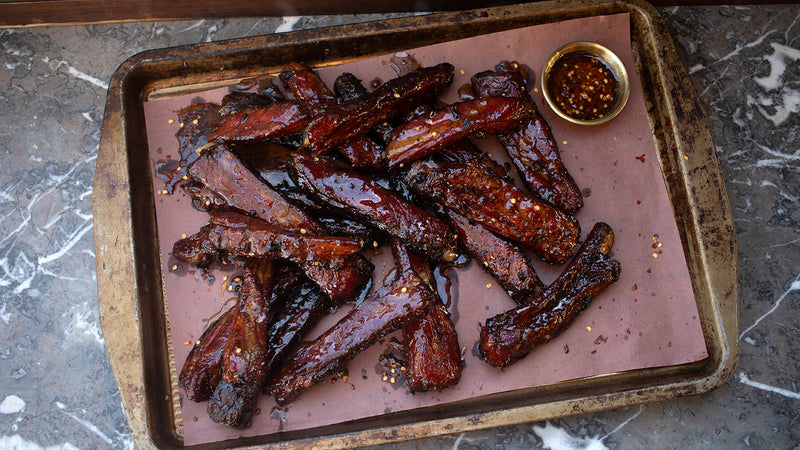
(348, 87)
(234, 102)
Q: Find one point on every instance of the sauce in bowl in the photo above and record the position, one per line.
(584, 86)
(585, 83)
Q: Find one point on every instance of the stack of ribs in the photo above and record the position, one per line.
(298, 185)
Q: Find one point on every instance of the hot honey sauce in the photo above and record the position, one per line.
(583, 86)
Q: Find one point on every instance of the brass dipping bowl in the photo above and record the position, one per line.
(601, 53)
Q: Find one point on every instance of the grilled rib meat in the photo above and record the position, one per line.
(262, 122)
(362, 152)
(234, 398)
(303, 306)
(531, 146)
(510, 336)
(433, 355)
(361, 197)
(474, 191)
(430, 133)
(379, 314)
(202, 369)
(224, 174)
(500, 258)
(343, 122)
(248, 236)
(308, 88)
(220, 178)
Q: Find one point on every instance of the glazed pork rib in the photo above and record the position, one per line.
(362, 152)
(234, 399)
(476, 192)
(307, 88)
(502, 259)
(273, 164)
(221, 179)
(510, 336)
(531, 146)
(343, 122)
(387, 310)
(467, 153)
(234, 185)
(361, 197)
(202, 369)
(432, 352)
(302, 307)
(432, 132)
(262, 122)
(247, 236)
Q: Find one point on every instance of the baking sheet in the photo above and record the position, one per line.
(647, 319)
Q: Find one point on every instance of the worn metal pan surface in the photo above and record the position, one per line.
(132, 305)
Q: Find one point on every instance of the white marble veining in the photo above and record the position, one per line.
(780, 391)
(554, 437)
(792, 287)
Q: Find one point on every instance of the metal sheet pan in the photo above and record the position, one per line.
(132, 306)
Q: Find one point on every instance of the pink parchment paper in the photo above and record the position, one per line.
(647, 319)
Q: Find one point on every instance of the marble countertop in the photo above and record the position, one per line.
(57, 390)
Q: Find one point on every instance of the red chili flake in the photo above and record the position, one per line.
(641, 158)
(635, 287)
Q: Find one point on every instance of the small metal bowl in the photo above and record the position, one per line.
(598, 53)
